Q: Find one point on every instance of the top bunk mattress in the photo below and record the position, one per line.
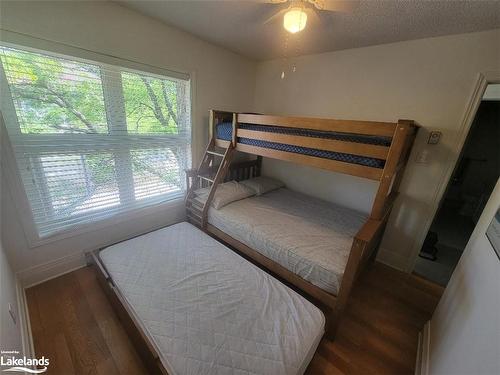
(224, 131)
(210, 311)
(308, 236)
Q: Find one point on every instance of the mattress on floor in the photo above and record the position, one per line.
(208, 310)
(308, 236)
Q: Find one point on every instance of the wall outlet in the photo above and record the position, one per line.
(434, 137)
(12, 313)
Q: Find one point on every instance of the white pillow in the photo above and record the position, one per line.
(262, 184)
(226, 193)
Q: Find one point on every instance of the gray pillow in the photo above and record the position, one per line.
(262, 184)
(226, 193)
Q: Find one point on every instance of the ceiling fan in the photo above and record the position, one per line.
(296, 12)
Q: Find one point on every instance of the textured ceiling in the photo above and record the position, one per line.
(241, 26)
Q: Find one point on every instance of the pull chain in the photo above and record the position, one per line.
(297, 46)
(285, 56)
(286, 62)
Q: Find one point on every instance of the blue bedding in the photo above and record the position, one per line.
(224, 131)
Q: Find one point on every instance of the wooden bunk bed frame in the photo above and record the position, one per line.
(365, 243)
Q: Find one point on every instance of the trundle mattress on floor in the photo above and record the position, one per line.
(209, 311)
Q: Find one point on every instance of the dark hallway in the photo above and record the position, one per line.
(468, 191)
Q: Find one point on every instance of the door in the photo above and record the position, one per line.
(467, 192)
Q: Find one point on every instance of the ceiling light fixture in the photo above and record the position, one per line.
(295, 20)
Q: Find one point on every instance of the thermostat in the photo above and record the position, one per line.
(434, 137)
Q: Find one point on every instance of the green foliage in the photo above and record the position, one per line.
(157, 164)
(150, 104)
(101, 168)
(72, 178)
(54, 95)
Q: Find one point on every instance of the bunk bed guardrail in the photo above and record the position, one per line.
(359, 148)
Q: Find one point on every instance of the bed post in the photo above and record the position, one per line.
(345, 287)
(211, 124)
(363, 249)
(235, 129)
(369, 236)
(394, 165)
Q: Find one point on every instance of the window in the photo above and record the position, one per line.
(93, 140)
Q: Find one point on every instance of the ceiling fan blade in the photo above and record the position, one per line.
(271, 1)
(313, 17)
(335, 5)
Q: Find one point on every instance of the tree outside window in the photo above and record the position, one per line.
(92, 140)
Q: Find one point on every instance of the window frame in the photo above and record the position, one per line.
(144, 207)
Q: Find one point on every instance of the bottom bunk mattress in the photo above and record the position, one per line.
(308, 236)
(208, 310)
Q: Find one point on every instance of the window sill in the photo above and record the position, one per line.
(123, 217)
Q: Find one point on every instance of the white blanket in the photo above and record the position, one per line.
(208, 310)
(308, 236)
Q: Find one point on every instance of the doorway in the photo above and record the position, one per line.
(468, 190)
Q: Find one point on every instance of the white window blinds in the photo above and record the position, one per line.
(93, 140)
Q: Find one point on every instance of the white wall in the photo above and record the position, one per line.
(10, 332)
(427, 80)
(223, 80)
(465, 328)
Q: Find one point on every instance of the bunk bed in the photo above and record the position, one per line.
(373, 150)
(173, 287)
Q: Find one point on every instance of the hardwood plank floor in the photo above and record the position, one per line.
(378, 333)
(74, 325)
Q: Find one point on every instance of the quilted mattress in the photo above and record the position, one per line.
(308, 236)
(208, 310)
(224, 131)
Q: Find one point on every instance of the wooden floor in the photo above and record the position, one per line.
(75, 327)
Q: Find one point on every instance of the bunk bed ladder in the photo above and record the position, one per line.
(197, 210)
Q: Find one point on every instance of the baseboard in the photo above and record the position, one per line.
(424, 341)
(24, 322)
(418, 361)
(43, 272)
